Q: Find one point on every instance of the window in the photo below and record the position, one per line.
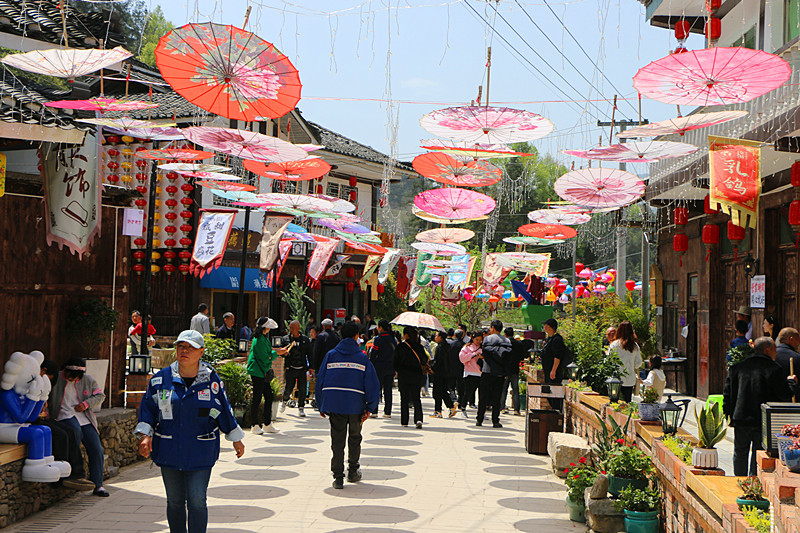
(340, 190)
(671, 292)
(748, 40)
(693, 286)
(792, 18)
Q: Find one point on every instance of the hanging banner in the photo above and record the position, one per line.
(454, 280)
(413, 294)
(450, 295)
(213, 231)
(71, 194)
(334, 269)
(540, 266)
(271, 234)
(492, 272)
(387, 264)
(735, 177)
(423, 278)
(403, 281)
(283, 248)
(319, 260)
(369, 268)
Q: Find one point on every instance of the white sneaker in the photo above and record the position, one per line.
(373, 415)
(283, 407)
(257, 430)
(464, 414)
(270, 429)
(301, 413)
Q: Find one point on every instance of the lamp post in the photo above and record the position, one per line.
(572, 371)
(614, 385)
(669, 413)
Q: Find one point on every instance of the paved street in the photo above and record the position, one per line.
(448, 476)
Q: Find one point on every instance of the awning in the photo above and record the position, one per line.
(227, 278)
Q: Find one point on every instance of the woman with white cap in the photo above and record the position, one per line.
(259, 366)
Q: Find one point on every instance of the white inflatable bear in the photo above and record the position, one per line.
(23, 391)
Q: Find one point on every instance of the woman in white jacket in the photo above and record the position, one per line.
(625, 347)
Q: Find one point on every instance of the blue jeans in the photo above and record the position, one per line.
(186, 489)
(743, 438)
(94, 449)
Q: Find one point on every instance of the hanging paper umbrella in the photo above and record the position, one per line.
(488, 125)
(228, 71)
(367, 248)
(712, 76)
(557, 216)
(258, 204)
(215, 176)
(445, 169)
(520, 260)
(445, 235)
(442, 220)
(102, 104)
(528, 241)
(361, 237)
(443, 263)
(466, 151)
(339, 205)
(681, 125)
(547, 231)
(181, 154)
(244, 144)
(342, 225)
(66, 63)
(303, 169)
(124, 124)
(439, 249)
(234, 195)
(296, 201)
(156, 133)
(579, 209)
(454, 203)
(636, 152)
(192, 168)
(599, 187)
(226, 185)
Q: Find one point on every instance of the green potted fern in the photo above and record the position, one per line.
(710, 430)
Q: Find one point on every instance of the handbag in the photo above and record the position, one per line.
(426, 366)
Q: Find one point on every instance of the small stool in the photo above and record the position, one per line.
(714, 398)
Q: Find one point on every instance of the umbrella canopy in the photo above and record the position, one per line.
(180, 154)
(466, 151)
(344, 225)
(295, 201)
(156, 133)
(681, 125)
(520, 260)
(443, 263)
(487, 125)
(258, 204)
(124, 124)
(528, 241)
(234, 195)
(66, 63)
(371, 238)
(339, 205)
(190, 168)
(712, 76)
(636, 152)
(228, 71)
(599, 187)
(216, 176)
(439, 248)
(101, 104)
(557, 216)
(244, 144)
(367, 248)
(301, 170)
(445, 169)
(226, 185)
(547, 231)
(579, 209)
(445, 235)
(418, 320)
(454, 203)
(442, 220)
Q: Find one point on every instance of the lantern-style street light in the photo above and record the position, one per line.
(572, 371)
(614, 385)
(139, 363)
(669, 412)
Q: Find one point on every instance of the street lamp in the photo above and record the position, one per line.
(572, 371)
(669, 413)
(614, 385)
(139, 364)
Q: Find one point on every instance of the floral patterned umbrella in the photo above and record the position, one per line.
(371, 238)
(216, 176)
(102, 104)
(439, 248)
(418, 320)
(557, 216)
(301, 170)
(454, 203)
(528, 241)
(296, 201)
(244, 144)
(681, 125)
(345, 225)
(599, 187)
(548, 231)
(465, 151)
(445, 169)
(123, 125)
(367, 248)
(180, 154)
(156, 133)
(228, 71)
(416, 211)
(520, 260)
(712, 76)
(226, 186)
(442, 263)
(636, 152)
(234, 195)
(339, 205)
(445, 235)
(266, 206)
(487, 125)
(66, 63)
(191, 168)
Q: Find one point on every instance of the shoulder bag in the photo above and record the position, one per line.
(426, 366)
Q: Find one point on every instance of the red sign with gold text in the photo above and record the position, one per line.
(735, 176)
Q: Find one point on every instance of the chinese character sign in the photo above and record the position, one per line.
(213, 231)
(72, 194)
(758, 292)
(735, 176)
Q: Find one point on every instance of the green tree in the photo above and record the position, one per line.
(296, 299)
(157, 26)
(389, 305)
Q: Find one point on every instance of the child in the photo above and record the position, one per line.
(656, 378)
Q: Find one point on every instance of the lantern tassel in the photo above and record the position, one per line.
(708, 253)
(797, 241)
(736, 254)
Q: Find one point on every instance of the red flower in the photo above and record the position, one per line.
(566, 470)
(577, 476)
(620, 441)
(572, 464)
(603, 472)
(582, 460)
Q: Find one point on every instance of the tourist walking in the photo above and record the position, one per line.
(788, 358)
(297, 354)
(627, 349)
(327, 340)
(259, 366)
(441, 371)
(180, 419)
(200, 322)
(455, 378)
(495, 350)
(382, 357)
(409, 359)
(471, 358)
(347, 391)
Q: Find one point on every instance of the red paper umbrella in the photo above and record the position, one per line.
(445, 169)
(302, 170)
(681, 125)
(228, 71)
(548, 231)
(454, 204)
(181, 154)
(599, 187)
(226, 185)
(102, 104)
(367, 248)
(712, 76)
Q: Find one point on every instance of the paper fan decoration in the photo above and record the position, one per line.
(681, 125)
(101, 104)
(445, 235)
(454, 203)
(557, 216)
(547, 231)
(636, 152)
(416, 211)
(486, 125)
(301, 170)
(599, 187)
(439, 249)
(181, 154)
(445, 169)
(226, 185)
(66, 63)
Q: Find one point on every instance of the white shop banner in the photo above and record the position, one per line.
(758, 291)
(213, 231)
(133, 225)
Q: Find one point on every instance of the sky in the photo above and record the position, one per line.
(354, 56)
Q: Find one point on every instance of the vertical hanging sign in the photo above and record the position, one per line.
(2, 174)
(213, 231)
(735, 178)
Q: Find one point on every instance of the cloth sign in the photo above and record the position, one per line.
(213, 231)
(271, 234)
(319, 260)
(735, 178)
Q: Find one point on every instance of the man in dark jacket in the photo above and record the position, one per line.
(455, 380)
(381, 355)
(496, 350)
(327, 340)
(296, 366)
(554, 356)
(519, 351)
(788, 342)
(441, 371)
(756, 380)
(347, 392)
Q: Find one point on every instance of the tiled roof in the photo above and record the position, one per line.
(334, 142)
(41, 20)
(21, 101)
(170, 105)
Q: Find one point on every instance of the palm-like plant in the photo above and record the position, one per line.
(710, 426)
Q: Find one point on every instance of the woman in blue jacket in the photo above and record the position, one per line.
(180, 419)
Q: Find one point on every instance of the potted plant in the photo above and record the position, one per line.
(237, 387)
(217, 350)
(752, 494)
(277, 394)
(790, 454)
(641, 508)
(580, 477)
(627, 465)
(648, 407)
(681, 448)
(710, 430)
(757, 519)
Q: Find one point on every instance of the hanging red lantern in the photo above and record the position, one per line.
(682, 28)
(795, 174)
(736, 234)
(140, 202)
(138, 268)
(170, 243)
(187, 188)
(353, 181)
(142, 189)
(113, 165)
(630, 284)
(707, 206)
(578, 267)
(172, 176)
(710, 237)
(140, 176)
(138, 255)
(113, 152)
(186, 228)
(171, 216)
(794, 219)
(169, 268)
(171, 190)
(185, 255)
(169, 255)
(353, 197)
(713, 5)
(187, 201)
(139, 241)
(680, 244)
(184, 268)
(141, 164)
(680, 216)
(171, 230)
(320, 190)
(350, 272)
(185, 241)
(381, 288)
(112, 139)
(349, 286)
(171, 202)
(112, 178)
(713, 28)
(186, 215)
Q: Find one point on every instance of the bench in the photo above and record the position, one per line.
(12, 452)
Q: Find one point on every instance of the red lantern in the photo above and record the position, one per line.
(349, 286)
(707, 206)
(680, 244)
(350, 272)
(353, 181)
(171, 202)
(141, 176)
(794, 219)
(170, 229)
(113, 165)
(112, 178)
(138, 268)
(185, 241)
(184, 268)
(171, 216)
(682, 28)
(186, 215)
(710, 237)
(141, 163)
(381, 288)
(320, 190)
(171, 190)
(142, 189)
(187, 188)
(681, 216)
(169, 268)
(172, 176)
(353, 197)
(169, 255)
(187, 201)
(138, 255)
(630, 284)
(170, 243)
(186, 228)
(139, 241)
(113, 152)
(713, 28)
(185, 255)
(796, 174)
(736, 234)
(140, 202)
(578, 267)
(113, 139)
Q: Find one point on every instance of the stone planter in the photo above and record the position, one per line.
(648, 412)
(761, 505)
(577, 510)
(641, 522)
(705, 458)
(616, 484)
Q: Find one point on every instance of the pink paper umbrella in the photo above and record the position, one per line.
(216, 176)
(599, 187)
(296, 201)
(102, 104)
(454, 203)
(636, 152)
(450, 171)
(416, 211)
(681, 125)
(439, 249)
(445, 235)
(123, 125)
(487, 125)
(343, 225)
(712, 76)
(66, 63)
(557, 216)
(244, 144)
(466, 151)
(156, 133)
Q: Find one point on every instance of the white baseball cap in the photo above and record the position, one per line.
(194, 338)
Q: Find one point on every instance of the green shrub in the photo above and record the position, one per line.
(237, 382)
(757, 519)
(585, 342)
(638, 500)
(580, 477)
(277, 389)
(679, 447)
(650, 395)
(89, 322)
(628, 461)
(217, 349)
(751, 488)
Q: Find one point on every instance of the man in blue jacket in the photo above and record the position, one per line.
(347, 391)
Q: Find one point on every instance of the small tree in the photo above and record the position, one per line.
(90, 321)
(296, 299)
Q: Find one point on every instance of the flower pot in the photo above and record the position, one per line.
(705, 458)
(616, 484)
(576, 510)
(790, 458)
(761, 505)
(641, 522)
(648, 412)
(523, 401)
